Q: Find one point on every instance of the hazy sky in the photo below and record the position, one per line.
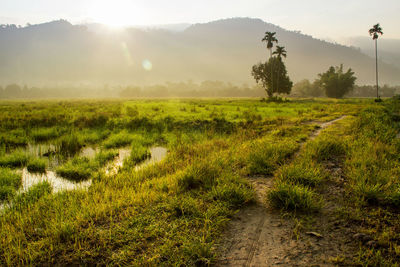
(323, 19)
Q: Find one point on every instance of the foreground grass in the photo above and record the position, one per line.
(170, 213)
(10, 181)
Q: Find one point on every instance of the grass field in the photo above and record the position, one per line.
(172, 212)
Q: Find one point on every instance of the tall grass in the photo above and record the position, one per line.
(10, 181)
(266, 154)
(288, 196)
(16, 159)
(37, 165)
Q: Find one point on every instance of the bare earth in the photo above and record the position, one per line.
(261, 236)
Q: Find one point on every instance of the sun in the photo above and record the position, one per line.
(116, 13)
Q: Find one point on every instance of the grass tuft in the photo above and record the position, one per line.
(37, 165)
(292, 197)
(10, 181)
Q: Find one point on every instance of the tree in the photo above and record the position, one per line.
(375, 31)
(269, 38)
(335, 82)
(305, 88)
(280, 52)
(272, 75)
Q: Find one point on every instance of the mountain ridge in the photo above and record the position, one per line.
(59, 52)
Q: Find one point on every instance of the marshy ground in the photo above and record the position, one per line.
(244, 182)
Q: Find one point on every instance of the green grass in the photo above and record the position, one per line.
(293, 197)
(15, 159)
(82, 168)
(327, 148)
(303, 172)
(69, 144)
(119, 140)
(10, 181)
(45, 134)
(29, 198)
(37, 165)
(77, 169)
(138, 155)
(267, 154)
(169, 213)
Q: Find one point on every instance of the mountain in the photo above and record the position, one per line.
(59, 53)
(389, 49)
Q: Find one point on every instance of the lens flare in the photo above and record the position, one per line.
(147, 65)
(126, 53)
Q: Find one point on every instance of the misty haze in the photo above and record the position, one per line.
(199, 133)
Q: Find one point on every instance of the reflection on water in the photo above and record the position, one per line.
(157, 154)
(89, 152)
(58, 183)
(113, 167)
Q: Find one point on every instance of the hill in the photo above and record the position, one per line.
(61, 53)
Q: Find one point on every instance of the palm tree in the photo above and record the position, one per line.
(269, 38)
(375, 31)
(280, 52)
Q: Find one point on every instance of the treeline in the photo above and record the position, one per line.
(305, 88)
(182, 89)
(189, 89)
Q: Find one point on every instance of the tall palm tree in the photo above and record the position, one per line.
(375, 31)
(280, 52)
(269, 38)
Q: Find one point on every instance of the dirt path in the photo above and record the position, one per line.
(260, 236)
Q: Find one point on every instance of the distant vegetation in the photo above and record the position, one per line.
(58, 53)
(303, 88)
(272, 74)
(336, 82)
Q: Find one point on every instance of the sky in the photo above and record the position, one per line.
(330, 20)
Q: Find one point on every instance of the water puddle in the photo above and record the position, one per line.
(114, 166)
(158, 153)
(58, 183)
